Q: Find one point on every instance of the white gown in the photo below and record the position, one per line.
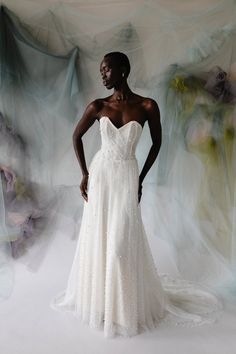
(113, 283)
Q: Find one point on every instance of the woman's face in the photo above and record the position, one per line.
(110, 73)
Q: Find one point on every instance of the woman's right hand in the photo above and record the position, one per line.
(83, 187)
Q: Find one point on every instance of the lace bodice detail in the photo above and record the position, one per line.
(119, 143)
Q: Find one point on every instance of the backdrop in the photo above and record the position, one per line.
(183, 56)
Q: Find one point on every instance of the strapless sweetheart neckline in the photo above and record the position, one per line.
(131, 121)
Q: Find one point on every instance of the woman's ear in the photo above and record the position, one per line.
(123, 71)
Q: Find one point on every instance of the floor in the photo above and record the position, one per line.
(28, 325)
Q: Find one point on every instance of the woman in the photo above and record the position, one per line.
(113, 283)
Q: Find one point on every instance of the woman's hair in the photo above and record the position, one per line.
(120, 59)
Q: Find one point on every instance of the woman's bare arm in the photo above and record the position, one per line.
(156, 135)
(88, 118)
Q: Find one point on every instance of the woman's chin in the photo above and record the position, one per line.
(108, 86)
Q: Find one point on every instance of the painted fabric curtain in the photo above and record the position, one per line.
(37, 113)
(183, 57)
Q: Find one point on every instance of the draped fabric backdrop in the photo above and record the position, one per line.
(183, 55)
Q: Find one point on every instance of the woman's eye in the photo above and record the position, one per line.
(104, 71)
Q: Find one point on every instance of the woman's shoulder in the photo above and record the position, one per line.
(149, 101)
(145, 100)
(98, 103)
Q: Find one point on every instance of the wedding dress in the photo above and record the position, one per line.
(113, 283)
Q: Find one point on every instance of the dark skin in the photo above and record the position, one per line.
(121, 107)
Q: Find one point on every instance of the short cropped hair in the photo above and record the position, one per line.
(120, 59)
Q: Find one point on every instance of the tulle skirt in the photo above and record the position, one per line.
(113, 284)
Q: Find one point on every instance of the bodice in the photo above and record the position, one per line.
(119, 143)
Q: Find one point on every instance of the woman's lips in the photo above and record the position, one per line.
(105, 83)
